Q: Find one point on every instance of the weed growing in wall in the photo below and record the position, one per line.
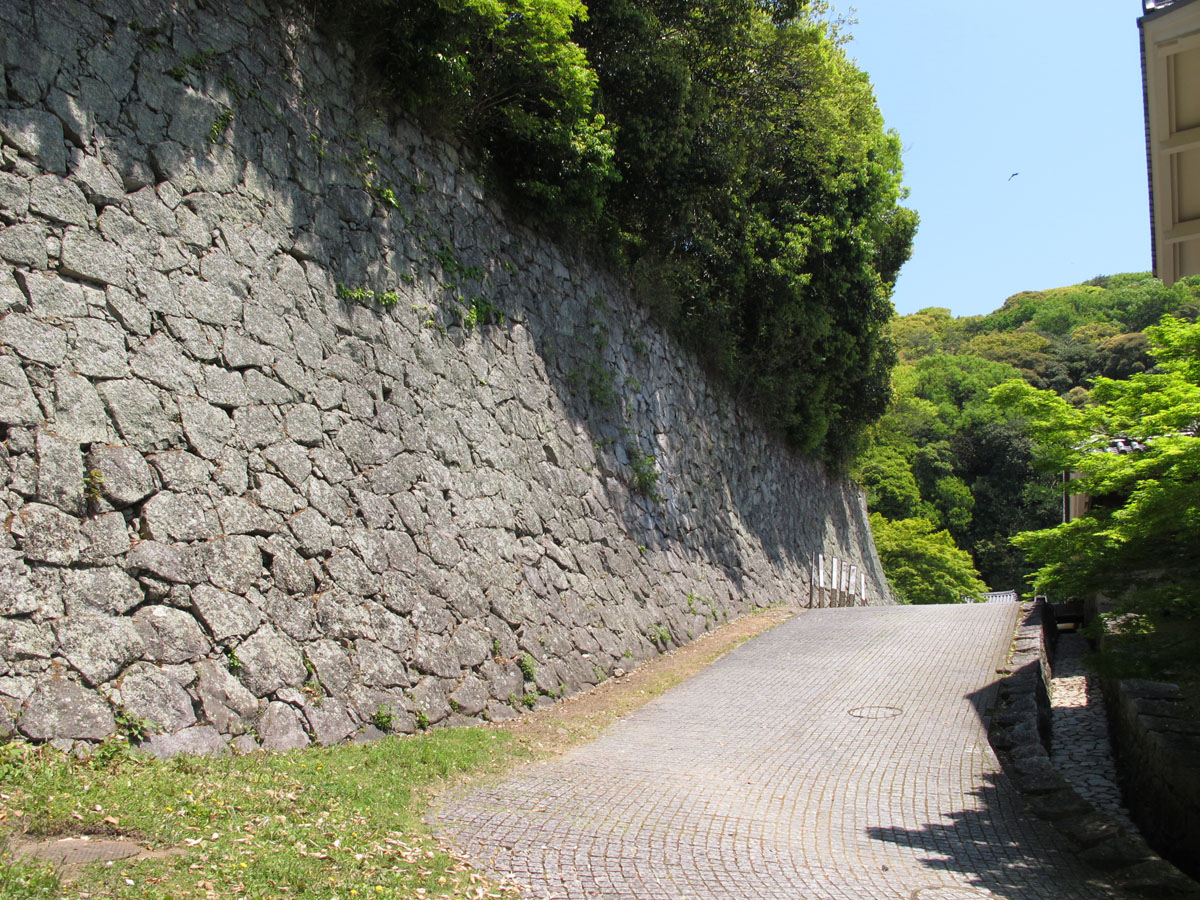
(366, 296)
(132, 726)
(93, 485)
(595, 380)
(382, 718)
(528, 666)
(196, 62)
(479, 311)
(643, 469)
(216, 131)
(659, 635)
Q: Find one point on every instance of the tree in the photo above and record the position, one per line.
(727, 154)
(995, 460)
(924, 565)
(758, 205)
(506, 77)
(972, 470)
(1022, 349)
(891, 486)
(1139, 542)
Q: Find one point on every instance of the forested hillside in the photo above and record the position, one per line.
(726, 155)
(950, 475)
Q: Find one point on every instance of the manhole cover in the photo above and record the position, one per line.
(80, 851)
(876, 712)
(944, 892)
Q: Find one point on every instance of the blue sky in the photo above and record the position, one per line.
(1050, 90)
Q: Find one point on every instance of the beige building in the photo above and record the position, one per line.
(1170, 32)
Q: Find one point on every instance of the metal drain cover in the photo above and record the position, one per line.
(876, 712)
(80, 851)
(949, 892)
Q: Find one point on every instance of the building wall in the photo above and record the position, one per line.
(1171, 75)
(302, 437)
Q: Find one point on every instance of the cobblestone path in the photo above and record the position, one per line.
(840, 756)
(1079, 746)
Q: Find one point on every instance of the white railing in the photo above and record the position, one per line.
(1000, 597)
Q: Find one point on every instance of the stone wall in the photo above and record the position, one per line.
(1019, 732)
(303, 440)
(1158, 755)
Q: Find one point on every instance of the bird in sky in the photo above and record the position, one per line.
(1013, 175)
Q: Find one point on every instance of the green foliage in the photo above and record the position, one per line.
(506, 76)
(924, 565)
(1021, 349)
(1139, 540)
(480, 311)
(134, 727)
(952, 497)
(891, 485)
(366, 296)
(112, 750)
(216, 131)
(383, 718)
(27, 879)
(596, 380)
(14, 756)
(758, 202)
(198, 62)
(528, 666)
(970, 462)
(928, 332)
(728, 154)
(643, 468)
(1061, 339)
(944, 453)
(659, 635)
(93, 485)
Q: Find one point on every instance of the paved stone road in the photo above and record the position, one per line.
(840, 756)
(1080, 747)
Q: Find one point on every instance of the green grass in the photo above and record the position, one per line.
(27, 880)
(341, 822)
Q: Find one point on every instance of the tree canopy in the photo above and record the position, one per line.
(1139, 540)
(945, 454)
(923, 564)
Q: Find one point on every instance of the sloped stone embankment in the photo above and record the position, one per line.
(301, 439)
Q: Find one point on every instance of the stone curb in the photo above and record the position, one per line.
(1018, 732)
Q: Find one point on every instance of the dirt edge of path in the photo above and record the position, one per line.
(555, 729)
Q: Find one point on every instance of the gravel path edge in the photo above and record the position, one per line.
(1019, 731)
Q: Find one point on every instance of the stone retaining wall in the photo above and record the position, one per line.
(1158, 757)
(1019, 731)
(301, 439)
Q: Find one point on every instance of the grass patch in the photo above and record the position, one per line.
(27, 880)
(341, 822)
